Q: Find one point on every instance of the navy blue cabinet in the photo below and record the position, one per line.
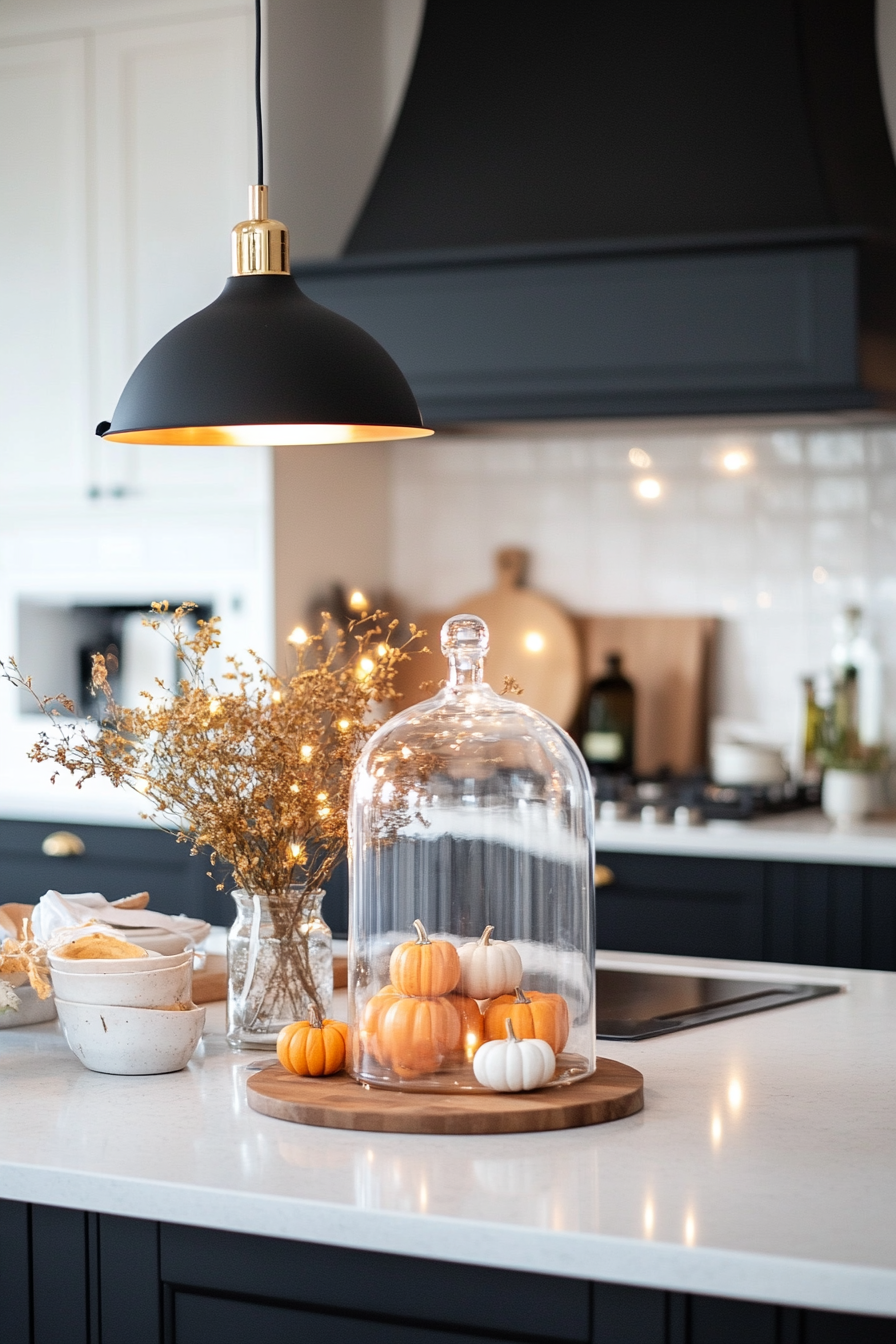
(130, 1281)
(756, 910)
(119, 860)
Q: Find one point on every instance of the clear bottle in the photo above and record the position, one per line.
(855, 650)
(470, 813)
(279, 965)
(812, 734)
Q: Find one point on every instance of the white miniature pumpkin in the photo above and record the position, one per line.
(488, 969)
(513, 1065)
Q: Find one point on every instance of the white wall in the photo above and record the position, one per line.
(775, 551)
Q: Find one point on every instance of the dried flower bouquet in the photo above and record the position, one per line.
(256, 770)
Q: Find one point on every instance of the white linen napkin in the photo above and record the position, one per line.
(60, 919)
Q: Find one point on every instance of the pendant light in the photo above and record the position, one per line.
(264, 364)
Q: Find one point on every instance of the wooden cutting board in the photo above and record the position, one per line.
(531, 639)
(669, 660)
(612, 1092)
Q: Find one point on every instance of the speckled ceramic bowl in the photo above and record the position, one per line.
(118, 966)
(130, 1040)
(128, 989)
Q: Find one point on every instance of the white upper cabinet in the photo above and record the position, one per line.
(44, 267)
(125, 155)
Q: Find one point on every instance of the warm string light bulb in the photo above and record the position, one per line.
(649, 488)
(736, 460)
(534, 641)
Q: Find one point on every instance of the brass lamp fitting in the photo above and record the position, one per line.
(258, 245)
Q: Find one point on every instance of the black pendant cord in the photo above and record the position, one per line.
(259, 135)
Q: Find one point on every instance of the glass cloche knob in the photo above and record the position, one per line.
(465, 644)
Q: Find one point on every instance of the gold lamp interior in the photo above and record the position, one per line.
(275, 436)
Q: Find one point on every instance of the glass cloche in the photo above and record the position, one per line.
(471, 914)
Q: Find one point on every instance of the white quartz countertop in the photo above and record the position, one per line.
(763, 1165)
(800, 837)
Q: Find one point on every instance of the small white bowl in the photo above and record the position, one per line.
(738, 764)
(130, 1040)
(129, 989)
(165, 941)
(183, 932)
(31, 1011)
(118, 966)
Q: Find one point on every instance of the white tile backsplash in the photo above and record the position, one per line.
(742, 547)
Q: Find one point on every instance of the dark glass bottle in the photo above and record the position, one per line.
(608, 722)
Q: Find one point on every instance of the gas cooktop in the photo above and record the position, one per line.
(633, 1005)
(690, 800)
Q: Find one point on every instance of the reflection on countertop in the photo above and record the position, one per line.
(803, 837)
(761, 1166)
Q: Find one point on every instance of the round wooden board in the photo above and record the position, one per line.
(551, 676)
(338, 1102)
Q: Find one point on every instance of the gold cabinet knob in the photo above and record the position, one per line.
(63, 845)
(603, 876)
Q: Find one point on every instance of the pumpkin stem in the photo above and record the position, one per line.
(315, 1019)
(483, 941)
(511, 1034)
(520, 996)
(422, 936)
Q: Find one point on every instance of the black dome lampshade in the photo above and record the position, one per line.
(264, 364)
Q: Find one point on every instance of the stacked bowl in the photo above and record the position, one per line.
(129, 1015)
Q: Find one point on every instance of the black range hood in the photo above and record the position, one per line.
(595, 208)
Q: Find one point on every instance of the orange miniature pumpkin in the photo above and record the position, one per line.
(367, 1027)
(472, 1027)
(414, 1035)
(424, 969)
(544, 1017)
(312, 1049)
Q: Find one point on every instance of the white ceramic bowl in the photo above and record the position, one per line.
(746, 763)
(130, 1040)
(112, 966)
(849, 795)
(129, 989)
(32, 1009)
(189, 933)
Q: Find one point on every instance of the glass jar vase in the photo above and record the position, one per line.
(279, 965)
(471, 910)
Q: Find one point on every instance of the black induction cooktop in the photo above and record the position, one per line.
(633, 1005)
